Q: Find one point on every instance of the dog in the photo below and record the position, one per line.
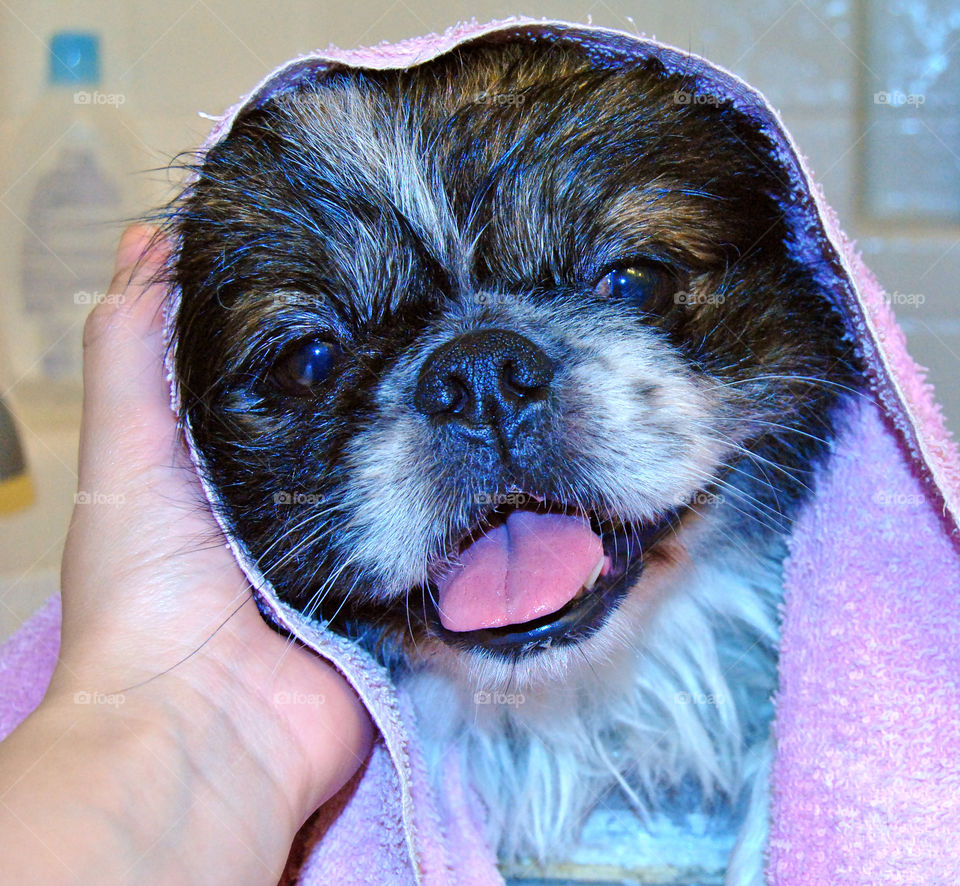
(505, 367)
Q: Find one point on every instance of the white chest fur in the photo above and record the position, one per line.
(687, 702)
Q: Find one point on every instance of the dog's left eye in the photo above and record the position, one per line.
(305, 364)
(637, 283)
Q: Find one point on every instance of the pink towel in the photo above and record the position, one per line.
(866, 784)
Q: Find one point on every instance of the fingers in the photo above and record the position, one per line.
(140, 254)
(350, 734)
(142, 580)
(334, 737)
(126, 412)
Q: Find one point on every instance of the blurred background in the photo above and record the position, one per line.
(97, 97)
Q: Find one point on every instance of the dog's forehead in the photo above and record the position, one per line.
(497, 202)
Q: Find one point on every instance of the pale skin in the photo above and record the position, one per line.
(205, 773)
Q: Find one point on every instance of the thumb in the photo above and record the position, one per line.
(125, 409)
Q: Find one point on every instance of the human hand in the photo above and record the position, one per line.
(192, 768)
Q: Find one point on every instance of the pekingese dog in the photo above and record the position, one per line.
(504, 366)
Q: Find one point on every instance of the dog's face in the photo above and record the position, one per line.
(479, 353)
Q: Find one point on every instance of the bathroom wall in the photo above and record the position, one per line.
(889, 167)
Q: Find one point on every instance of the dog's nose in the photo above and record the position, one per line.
(485, 379)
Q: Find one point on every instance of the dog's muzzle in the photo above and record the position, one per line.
(532, 573)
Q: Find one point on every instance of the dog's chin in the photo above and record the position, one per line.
(600, 623)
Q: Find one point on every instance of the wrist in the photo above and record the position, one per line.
(151, 788)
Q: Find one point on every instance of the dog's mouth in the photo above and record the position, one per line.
(535, 574)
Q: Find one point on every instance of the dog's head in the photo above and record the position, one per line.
(478, 353)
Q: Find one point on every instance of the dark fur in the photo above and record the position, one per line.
(557, 169)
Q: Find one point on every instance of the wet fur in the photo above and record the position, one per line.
(492, 188)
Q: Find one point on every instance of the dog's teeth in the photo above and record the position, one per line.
(592, 580)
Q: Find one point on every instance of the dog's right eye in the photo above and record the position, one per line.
(636, 283)
(305, 364)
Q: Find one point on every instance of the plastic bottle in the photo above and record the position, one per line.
(70, 202)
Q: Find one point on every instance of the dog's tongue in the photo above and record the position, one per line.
(526, 568)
